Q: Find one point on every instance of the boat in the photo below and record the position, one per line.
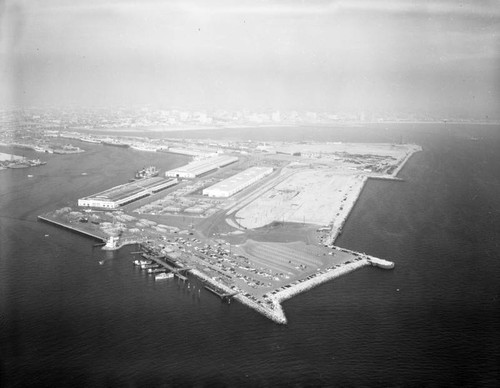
(36, 162)
(147, 172)
(67, 149)
(156, 270)
(142, 262)
(164, 275)
(148, 266)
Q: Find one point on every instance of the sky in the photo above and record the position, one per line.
(440, 58)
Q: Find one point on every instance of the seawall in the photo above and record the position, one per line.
(60, 224)
(353, 199)
(337, 229)
(416, 148)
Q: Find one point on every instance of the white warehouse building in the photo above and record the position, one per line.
(200, 167)
(237, 182)
(121, 195)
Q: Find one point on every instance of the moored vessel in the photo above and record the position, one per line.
(147, 172)
(164, 275)
(142, 262)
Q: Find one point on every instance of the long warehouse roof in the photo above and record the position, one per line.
(201, 166)
(117, 193)
(240, 178)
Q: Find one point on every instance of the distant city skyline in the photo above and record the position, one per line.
(438, 58)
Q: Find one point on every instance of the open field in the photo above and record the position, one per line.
(312, 196)
(396, 151)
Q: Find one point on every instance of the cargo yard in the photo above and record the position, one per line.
(257, 227)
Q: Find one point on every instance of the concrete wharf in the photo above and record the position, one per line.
(66, 226)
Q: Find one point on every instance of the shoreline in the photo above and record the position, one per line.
(346, 123)
(416, 148)
(275, 311)
(316, 281)
(89, 234)
(271, 306)
(349, 206)
(268, 306)
(353, 199)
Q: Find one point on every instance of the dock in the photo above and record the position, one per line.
(221, 294)
(160, 260)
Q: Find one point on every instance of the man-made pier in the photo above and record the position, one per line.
(220, 293)
(161, 260)
(66, 226)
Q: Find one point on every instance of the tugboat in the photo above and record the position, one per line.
(147, 172)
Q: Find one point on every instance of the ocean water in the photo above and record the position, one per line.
(433, 321)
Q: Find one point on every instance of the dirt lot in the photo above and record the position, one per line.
(313, 196)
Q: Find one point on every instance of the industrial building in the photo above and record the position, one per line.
(237, 182)
(200, 167)
(121, 195)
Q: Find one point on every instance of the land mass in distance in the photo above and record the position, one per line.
(256, 223)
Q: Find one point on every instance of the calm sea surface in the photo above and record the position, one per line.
(432, 321)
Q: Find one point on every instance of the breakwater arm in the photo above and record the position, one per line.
(415, 148)
(76, 230)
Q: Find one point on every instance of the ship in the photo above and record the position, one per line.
(147, 172)
(40, 149)
(144, 148)
(90, 140)
(67, 149)
(36, 162)
(115, 143)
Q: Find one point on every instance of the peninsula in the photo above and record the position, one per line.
(256, 222)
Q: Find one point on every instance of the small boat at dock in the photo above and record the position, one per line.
(148, 266)
(164, 275)
(142, 262)
(156, 270)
